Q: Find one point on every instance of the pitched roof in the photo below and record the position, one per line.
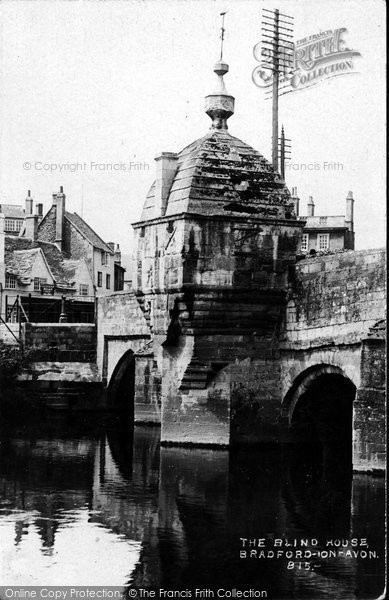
(54, 258)
(20, 254)
(12, 211)
(21, 264)
(87, 232)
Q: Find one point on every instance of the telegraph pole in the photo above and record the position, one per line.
(276, 63)
(277, 52)
(285, 151)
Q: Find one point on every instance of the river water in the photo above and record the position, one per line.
(102, 505)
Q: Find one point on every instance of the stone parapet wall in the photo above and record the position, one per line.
(335, 299)
(60, 342)
(122, 325)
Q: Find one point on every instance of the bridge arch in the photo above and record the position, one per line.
(121, 387)
(319, 407)
(304, 381)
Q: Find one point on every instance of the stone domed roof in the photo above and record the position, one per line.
(220, 174)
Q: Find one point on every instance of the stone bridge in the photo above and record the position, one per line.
(320, 372)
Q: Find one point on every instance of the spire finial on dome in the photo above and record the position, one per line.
(220, 105)
(222, 35)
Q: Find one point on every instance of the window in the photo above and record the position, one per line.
(10, 281)
(99, 278)
(323, 241)
(12, 315)
(304, 242)
(104, 258)
(13, 225)
(322, 220)
(108, 282)
(84, 289)
(38, 282)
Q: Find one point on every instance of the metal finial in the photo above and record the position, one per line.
(222, 34)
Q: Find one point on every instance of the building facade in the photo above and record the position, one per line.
(326, 233)
(77, 240)
(46, 258)
(226, 337)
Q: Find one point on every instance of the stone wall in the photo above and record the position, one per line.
(75, 244)
(121, 326)
(369, 408)
(60, 342)
(219, 360)
(335, 301)
(46, 228)
(124, 334)
(335, 298)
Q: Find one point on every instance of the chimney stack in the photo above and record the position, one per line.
(31, 227)
(118, 255)
(349, 221)
(39, 209)
(165, 172)
(60, 213)
(296, 201)
(311, 207)
(29, 204)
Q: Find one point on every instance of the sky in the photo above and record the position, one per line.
(89, 84)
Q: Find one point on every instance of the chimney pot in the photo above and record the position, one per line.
(349, 220)
(60, 213)
(311, 207)
(29, 204)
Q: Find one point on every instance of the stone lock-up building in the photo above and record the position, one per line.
(207, 343)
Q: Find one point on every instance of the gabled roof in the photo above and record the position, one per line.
(20, 255)
(21, 264)
(12, 211)
(87, 232)
(55, 260)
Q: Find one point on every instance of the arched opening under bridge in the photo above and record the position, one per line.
(320, 411)
(121, 389)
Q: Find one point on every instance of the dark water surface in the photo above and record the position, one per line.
(98, 505)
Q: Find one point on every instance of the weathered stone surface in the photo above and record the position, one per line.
(335, 302)
(335, 296)
(61, 371)
(233, 330)
(64, 342)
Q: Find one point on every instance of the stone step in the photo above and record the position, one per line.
(191, 376)
(198, 368)
(193, 385)
(196, 376)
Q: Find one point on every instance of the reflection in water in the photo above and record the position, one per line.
(109, 508)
